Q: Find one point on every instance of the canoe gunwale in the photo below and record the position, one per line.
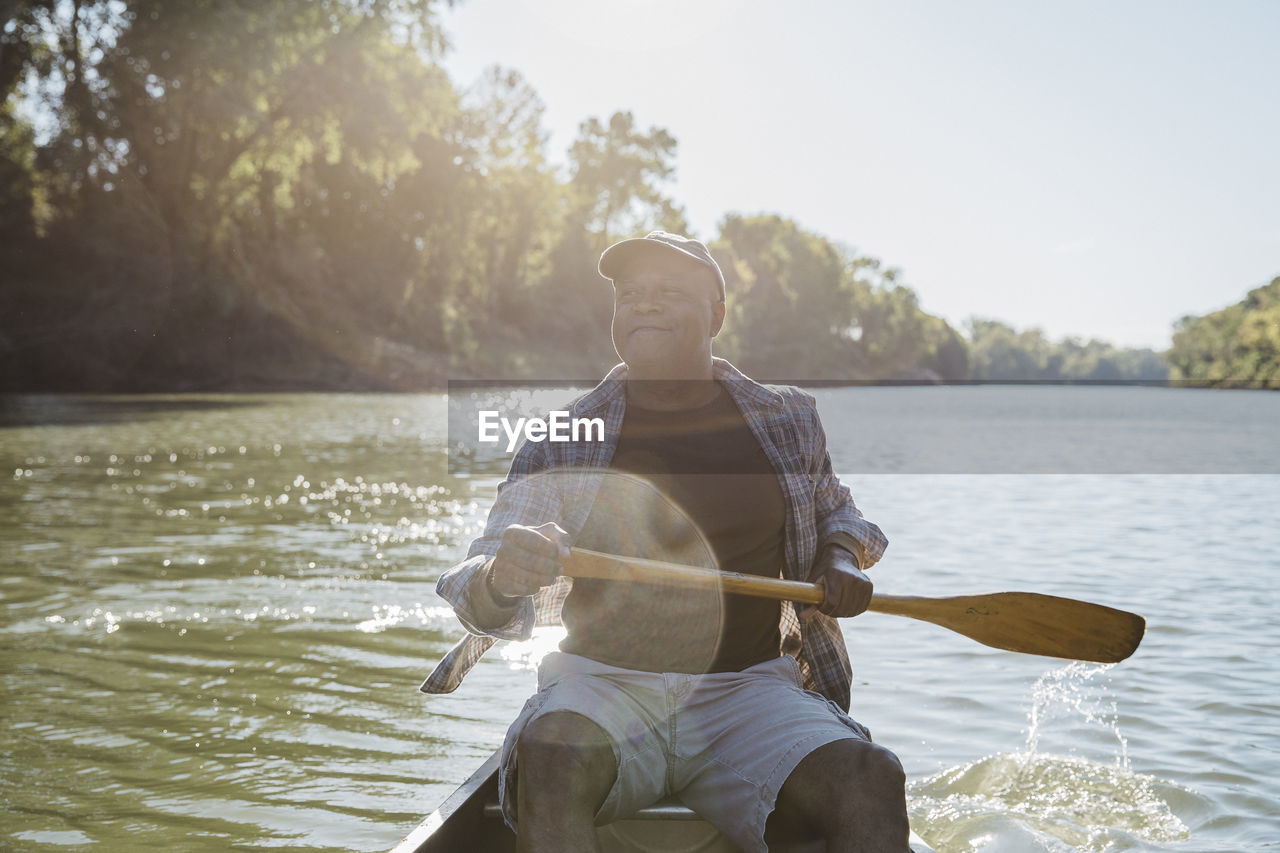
(466, 802)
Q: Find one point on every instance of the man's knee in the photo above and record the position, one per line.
(868, 765)
(565, 749)
(833, 771)
(877, 763)
(840, 787)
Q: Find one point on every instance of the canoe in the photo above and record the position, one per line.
(469, 820)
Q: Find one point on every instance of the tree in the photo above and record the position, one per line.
(790, 299)
(618, 175)
(1001, 353)
(616, 189)
(1237, 346)
(803, 308)
(515, 219)
(225, 184)
(947, 354)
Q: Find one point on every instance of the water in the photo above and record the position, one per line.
(215, 612)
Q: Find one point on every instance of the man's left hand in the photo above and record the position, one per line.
(848, 590)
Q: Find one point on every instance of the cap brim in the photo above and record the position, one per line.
(619, 253)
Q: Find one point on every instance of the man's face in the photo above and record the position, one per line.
(666, 310)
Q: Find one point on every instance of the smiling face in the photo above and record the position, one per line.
(666, 310)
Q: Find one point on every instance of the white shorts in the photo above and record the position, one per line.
(723, 742)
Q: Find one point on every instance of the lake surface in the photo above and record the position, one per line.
(215, 612)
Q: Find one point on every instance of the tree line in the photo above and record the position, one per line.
(999, 352)
(1237, 347)
(203, 195)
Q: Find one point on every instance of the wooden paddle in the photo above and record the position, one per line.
(1026, 622)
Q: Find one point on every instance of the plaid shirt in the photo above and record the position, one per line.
(820, 511)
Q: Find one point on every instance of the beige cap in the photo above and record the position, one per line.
(619, 253)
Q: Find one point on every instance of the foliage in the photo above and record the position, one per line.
(281, 193)
(201, 195)
(1238, 346)
(803, 308)
(220, 189)
(615, 190)
(617, 176)
(998, 352)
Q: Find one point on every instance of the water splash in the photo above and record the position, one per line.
(1030, 800)
(1057, 799)
(1071, 690)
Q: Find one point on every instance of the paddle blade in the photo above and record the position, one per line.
(1028, 622)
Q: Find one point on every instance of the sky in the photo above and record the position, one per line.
(1094, 169)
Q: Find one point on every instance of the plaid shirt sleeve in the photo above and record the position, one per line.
(527, 496)
(537, 489)
(831, 517)
(839, 520)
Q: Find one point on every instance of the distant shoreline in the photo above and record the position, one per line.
(443, 387)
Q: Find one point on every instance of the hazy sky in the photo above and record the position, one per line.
(1091, 168)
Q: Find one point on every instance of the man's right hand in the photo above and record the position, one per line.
(528, 559)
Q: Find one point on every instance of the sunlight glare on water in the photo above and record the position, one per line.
(528, 654)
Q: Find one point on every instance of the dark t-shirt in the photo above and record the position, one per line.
(693, 487)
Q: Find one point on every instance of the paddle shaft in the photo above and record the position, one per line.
(584, 563)
(1027, 622)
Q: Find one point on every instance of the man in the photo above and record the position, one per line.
(646, 699)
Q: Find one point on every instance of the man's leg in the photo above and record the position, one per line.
(850, 792)
(566, 768)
